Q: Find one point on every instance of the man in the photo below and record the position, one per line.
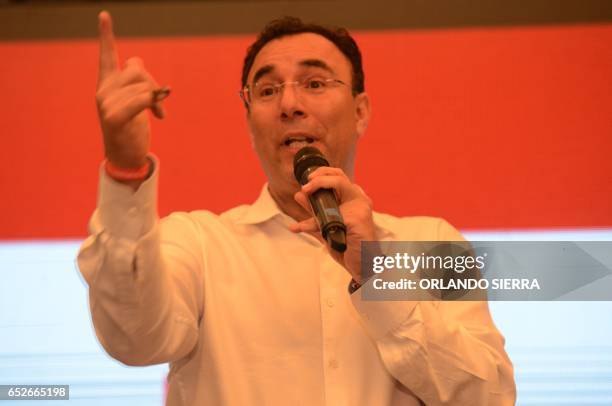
(251, 307)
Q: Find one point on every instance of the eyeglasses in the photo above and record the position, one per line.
(263, 92)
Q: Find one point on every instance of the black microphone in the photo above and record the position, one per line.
(323, 201)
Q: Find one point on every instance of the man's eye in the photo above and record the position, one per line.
(266, 91)
(315, 84)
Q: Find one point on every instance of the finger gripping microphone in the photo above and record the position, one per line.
(323, 201)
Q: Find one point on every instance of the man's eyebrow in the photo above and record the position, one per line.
(264, 70)
(316, 63)
(311, 63)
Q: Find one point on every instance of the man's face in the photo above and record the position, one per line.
(331, 121)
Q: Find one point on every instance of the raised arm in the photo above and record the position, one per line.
(143, 274)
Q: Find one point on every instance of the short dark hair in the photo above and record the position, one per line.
(286, 26)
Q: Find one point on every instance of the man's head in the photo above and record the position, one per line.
(303, 84)
(292, 26)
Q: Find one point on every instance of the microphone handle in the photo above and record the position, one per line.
(325, 207)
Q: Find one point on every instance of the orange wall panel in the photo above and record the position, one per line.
(489, 128)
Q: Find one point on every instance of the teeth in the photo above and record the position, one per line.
(299, 142)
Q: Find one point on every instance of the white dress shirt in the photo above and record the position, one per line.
(248, 313)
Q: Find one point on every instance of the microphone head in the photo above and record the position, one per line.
(305, 161)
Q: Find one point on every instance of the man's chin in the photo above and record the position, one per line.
(287, 170)
(284, 180)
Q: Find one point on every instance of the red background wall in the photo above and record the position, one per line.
(489, 128)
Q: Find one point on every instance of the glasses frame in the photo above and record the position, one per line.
(244, 93)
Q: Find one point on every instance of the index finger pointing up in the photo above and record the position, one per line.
(108, 50)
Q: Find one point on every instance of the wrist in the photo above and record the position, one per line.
(353, 286)
(128, 174)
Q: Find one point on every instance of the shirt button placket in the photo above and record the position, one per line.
(331, 324)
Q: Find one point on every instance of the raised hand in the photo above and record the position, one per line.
(122, 96)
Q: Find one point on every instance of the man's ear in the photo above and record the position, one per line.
(362, 112)
(250, 130)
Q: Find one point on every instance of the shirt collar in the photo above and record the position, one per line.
(262, 210)
(265, 208)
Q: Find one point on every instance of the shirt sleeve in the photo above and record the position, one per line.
(445, 352)
(143, 275)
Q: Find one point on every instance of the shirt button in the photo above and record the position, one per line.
(333, 364)
(330, 302)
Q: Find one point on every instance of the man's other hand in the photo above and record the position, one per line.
(355, 207)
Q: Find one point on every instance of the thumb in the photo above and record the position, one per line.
(305, 226)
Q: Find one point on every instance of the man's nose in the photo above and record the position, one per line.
(290, 103)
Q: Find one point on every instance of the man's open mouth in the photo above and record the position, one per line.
(298, 142)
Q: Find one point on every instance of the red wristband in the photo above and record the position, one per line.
(123, 174)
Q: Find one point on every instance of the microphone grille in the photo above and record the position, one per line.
(305, 158)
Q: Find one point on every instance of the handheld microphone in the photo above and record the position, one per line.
(323, 201)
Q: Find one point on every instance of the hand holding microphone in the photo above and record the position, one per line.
(322, 201)
(342, 211)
